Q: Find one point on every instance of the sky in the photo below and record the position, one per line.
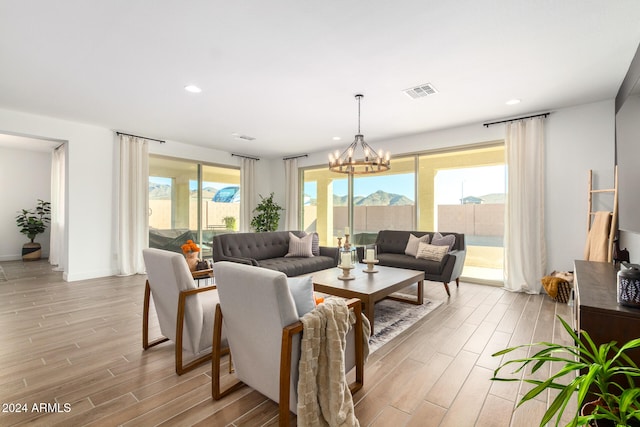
(451, 184)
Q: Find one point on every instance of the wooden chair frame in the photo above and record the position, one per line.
(180, 368)
(288, 332)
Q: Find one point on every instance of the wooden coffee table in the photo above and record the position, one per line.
(369, 287)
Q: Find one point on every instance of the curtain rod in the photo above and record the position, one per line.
(295, 157)
(143, 137)
(243, 156)
(516, 119)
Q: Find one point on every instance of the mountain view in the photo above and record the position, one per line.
(379, 198)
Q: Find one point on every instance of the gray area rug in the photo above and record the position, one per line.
(394, 317)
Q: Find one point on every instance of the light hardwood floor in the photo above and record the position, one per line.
(79, 344)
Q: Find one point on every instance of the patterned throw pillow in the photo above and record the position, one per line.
(440, 240)
(300, 246)
(412, 244)
(315, 245)
(431, 252)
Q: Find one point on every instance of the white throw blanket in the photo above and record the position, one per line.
(324, 398)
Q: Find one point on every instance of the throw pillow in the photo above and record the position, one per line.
(412, 244)
(315, 244)
(431, 252)
(301, 289)
(300, 246)
(440, 240)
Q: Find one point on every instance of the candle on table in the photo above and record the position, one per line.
(345, 259)
(370, 256)
(346, 231)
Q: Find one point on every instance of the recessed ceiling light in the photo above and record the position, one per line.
(336, 138)
(192, 89)
(513, 102)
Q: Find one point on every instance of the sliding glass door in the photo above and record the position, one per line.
(464, 191)
(384, 201)
(190, 200)
(461, 190)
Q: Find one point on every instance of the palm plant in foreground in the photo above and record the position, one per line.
(605, 370)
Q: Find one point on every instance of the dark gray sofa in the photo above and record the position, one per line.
(268, 250)
(392, 243)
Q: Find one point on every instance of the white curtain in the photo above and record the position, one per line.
(524, 242)
(57, 248)
(291, 194)
(133, 204)
(248, 188)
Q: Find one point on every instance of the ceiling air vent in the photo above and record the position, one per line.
(421, 91)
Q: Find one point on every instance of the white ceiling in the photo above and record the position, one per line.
(285, 71)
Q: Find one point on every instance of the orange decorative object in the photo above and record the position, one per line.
(190, 246)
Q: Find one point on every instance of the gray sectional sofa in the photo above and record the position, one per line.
(391, 252)
(268, 250)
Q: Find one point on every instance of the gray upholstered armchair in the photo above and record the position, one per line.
(260, 310)
(185, 312)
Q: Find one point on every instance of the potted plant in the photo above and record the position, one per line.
(229, 222)
(268, 215)
(605, 370)
(33, 222)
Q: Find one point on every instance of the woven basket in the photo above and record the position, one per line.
(564, 292)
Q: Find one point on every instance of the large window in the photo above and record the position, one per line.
(189, 200)
(460, 190)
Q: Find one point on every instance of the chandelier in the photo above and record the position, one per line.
(370, 161)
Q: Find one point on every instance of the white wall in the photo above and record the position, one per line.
(89, 189)
(25, 177)
(577, 139)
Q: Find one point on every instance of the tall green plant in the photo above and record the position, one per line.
(34, 221)
(606, 370)
(268, 215)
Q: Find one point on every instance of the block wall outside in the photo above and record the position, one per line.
(472, 219)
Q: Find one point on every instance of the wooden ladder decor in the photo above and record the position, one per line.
(590, 214)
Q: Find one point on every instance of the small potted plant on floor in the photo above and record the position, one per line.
(606, 370)
(33, 222)
(268, 215)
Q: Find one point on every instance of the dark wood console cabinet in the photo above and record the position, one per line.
(596, 310)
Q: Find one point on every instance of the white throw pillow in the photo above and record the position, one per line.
(440, 240)
(412, 244)
(300, 246)
(301, 289)
(431, 252)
